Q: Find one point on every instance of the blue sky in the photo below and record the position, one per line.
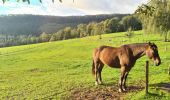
(68, 8)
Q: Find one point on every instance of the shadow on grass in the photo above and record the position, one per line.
(153, 95)
(162, 86)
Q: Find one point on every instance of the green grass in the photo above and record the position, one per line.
(53, 69)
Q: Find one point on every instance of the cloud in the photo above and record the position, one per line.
(46, 8)
(79, 7)
(58, 9)
(106, 6)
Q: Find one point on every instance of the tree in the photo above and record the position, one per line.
(131, 22)
(155, 17)
(53, 38)
(106, 26)
(144, 12)
(44, 37)
(74, 33)
(67, 33)
(90, 28)
(59, 35)
(81, 29)
(98, 29)
(113, 24)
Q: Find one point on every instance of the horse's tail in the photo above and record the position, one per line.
(93, 68)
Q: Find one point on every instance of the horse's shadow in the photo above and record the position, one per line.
(162, 86)
(131, 88)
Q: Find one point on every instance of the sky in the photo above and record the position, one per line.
(70, 8)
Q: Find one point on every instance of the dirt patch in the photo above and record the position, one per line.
(101, 93)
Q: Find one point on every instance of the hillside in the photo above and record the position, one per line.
(63, 68)
(36, 24)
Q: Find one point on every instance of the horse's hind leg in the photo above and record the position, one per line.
(99, 72)
(96, 73)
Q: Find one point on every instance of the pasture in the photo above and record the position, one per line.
(60, 69)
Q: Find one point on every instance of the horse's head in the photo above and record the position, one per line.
(152, 53)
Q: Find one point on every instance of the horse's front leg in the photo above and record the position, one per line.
(121, 78)
(124, 81)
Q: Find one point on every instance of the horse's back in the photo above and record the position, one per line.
(107, 55)
(96, 52)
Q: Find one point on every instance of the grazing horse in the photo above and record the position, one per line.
(123, 57)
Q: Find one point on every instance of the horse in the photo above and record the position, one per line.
(123, 57)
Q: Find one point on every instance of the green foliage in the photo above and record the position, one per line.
(113, 24)
(52, 38)
(44, 37)
(131, 22)
(67, 33)
(155, 16)
(74, 33)
(103, 27)
(94, 28)
(81, 29)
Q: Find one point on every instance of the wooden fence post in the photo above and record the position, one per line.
(169, 70)
(147, 74)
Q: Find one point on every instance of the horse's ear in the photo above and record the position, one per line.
(155, 45)
(149, 43)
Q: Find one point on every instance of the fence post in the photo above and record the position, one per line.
(147, 74)
(169, 70)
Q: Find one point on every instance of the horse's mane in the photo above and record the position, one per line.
(136, 45)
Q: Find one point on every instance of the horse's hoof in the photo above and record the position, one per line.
(120, 90)
(96, 83)
(124, 90)
(100, 83)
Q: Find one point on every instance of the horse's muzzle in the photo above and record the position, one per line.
(157, 62)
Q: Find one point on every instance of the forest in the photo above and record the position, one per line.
(28, 24)
(60, 28)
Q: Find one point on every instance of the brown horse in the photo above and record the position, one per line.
(123, 57)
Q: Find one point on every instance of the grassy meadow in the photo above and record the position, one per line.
(53, 69)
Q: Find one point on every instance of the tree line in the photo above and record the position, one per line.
(107, 26)
(36, 24)
(104, 27)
